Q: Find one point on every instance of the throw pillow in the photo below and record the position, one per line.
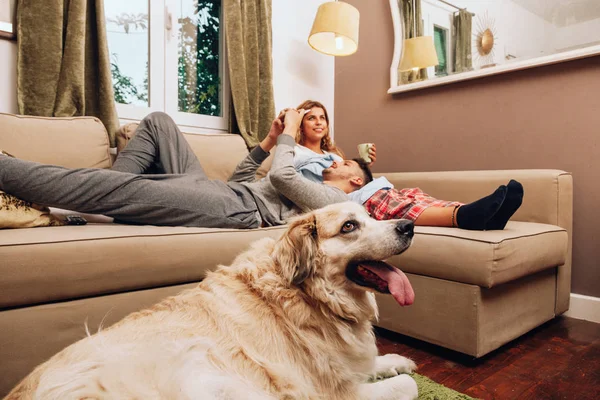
(17, 213)
(124, 134)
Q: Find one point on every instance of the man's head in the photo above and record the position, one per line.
(348, 175)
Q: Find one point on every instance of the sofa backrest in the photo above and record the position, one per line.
(73, 142)
(82, 142)
(219, 153)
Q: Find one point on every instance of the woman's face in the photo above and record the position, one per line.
(314, 125)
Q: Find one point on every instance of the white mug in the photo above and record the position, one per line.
(363, 151)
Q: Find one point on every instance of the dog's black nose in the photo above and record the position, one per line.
(405, 227)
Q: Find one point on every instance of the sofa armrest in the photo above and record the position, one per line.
(548, 193)
(548, 199)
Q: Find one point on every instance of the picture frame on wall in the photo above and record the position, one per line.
(8, 28)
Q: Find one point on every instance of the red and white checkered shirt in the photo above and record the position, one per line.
(404, 203)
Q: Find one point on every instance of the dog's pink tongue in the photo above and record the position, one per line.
(398, 284)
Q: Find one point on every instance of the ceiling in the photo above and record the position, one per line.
(563, 12)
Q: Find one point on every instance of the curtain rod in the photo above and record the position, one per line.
(452, 5)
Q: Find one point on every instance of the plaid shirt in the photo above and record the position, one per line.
(404, 203)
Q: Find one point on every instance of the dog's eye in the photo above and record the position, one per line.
(349, 226)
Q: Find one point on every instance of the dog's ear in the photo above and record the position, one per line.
(297, 251)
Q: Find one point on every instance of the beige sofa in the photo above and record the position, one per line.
(474, 290)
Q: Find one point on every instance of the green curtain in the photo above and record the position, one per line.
(63, 64)
(249, 47)
(463, 60)
(409, 16)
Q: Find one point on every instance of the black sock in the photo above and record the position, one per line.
(514, 198)
(475, 215)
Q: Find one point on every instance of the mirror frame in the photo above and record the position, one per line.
(480, 73)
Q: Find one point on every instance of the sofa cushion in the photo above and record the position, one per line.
(487, 258)
(75, 142)
(219, 153)
(124, 134)
(58, 263)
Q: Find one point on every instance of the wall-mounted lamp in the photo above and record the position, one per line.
(419, 52)
(335, 29)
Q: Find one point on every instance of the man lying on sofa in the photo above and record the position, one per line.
(182, 195)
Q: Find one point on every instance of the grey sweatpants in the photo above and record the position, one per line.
(181, 195)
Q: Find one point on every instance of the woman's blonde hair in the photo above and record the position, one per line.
(326, 143)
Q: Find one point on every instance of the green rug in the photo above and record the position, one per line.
(430, 390)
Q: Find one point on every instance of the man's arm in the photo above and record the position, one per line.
(303, 193)
(246, 169)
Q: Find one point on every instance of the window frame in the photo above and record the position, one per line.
(437, 14)
(163, 40)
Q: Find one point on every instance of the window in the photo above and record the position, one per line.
(438, 20)
(440, 41)
(168, 55)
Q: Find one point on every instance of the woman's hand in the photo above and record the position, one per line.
(372, 154)
(292, 121)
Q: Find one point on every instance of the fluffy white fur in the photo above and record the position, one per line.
(282, 322)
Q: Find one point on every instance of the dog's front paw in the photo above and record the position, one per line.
(391, 365)
(403, 387)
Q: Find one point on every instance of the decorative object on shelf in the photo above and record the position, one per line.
(335, 29)
(418, 51)
(485, 38)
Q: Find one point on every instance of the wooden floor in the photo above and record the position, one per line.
(558, 360)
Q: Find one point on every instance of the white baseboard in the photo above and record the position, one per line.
(584, 307)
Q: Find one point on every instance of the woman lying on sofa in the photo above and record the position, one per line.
(316, 151)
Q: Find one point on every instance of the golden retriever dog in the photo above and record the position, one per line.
(289, 319)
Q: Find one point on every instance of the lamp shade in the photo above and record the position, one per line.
(335, 29)
(419, 52)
